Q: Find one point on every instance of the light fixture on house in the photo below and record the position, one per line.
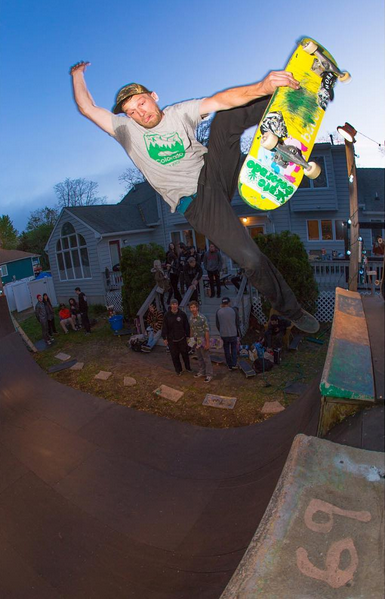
(348, 132)
(245, 220)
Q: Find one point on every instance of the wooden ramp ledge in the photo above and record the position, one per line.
(347, 382)
(322, 533)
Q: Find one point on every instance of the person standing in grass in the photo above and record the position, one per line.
(50, 315)
(42, 318)
(175, 331)
(83, 309)
(199, 330)
(227, 321)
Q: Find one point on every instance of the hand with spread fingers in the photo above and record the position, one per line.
(79, 66)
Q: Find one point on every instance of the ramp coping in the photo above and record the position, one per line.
(348, 371)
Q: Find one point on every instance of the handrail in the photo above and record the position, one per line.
(186, 298)
(144, 307)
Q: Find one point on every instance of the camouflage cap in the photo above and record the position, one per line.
(126, 92)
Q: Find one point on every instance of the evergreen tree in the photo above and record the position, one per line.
(138, 280)
(8, 234)
(287, 252)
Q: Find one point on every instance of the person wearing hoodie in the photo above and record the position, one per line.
(175, 331)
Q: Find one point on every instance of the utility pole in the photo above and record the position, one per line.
(348, 132)
(354, 226)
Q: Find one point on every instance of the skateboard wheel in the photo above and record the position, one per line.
(377, 283)
(313, 170)
(310, 47)
(345, 77)
(269, 140)
(380, 240)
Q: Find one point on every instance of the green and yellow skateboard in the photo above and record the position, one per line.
(283, 142)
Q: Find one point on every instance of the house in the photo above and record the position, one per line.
(16, 265)
(86, 243)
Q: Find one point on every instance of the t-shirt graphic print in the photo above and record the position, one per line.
(164, 148)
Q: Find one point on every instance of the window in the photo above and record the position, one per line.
(255, 231)
(327, 230)
(72, 255)
(187, 237)
(67, 229)
(115, 253)
(3, 270)
(340, 230)
(312, 230)
(321, 180)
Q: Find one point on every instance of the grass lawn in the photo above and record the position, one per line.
(103, 351)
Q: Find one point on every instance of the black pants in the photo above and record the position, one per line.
(177, 349)
(51, 327)
(44, 330)
(174, 279)
(211, 213)
(85, 321)
(214, 280)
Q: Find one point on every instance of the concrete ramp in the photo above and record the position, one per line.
(322, 534)
(101, 501)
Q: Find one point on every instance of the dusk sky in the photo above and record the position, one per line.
(181, 50)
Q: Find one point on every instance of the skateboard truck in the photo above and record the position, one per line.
(322, 63)
(284, 154)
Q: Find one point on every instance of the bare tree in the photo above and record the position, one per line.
(78, 192)
(131, 177)
(42, 216)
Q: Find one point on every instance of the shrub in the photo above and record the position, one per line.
(287, 252)
(138, 280)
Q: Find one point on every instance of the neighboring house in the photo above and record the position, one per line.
(86, 243)
(16, 265)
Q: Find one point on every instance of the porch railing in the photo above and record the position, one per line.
(113, 280)
(330, 274)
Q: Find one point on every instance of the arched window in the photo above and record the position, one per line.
(72, 255)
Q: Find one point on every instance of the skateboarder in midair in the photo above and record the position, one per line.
(196, 181)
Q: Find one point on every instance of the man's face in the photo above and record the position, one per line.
(39, 298)
(174, 308)
(143, 109)
(194, 309)
(212, 247)
(192, 263)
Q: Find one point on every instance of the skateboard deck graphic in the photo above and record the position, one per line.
(283, 142)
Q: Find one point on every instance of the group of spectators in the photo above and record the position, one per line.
(74, 316)
(183, 269)
(182, 335)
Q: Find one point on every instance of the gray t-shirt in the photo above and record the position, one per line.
(227, 321)
(168, 155)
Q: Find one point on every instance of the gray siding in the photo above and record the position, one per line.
(325, 198)
(128, 239)
(92, 287)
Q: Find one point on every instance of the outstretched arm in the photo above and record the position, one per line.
(85, 102)
(238, 96)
